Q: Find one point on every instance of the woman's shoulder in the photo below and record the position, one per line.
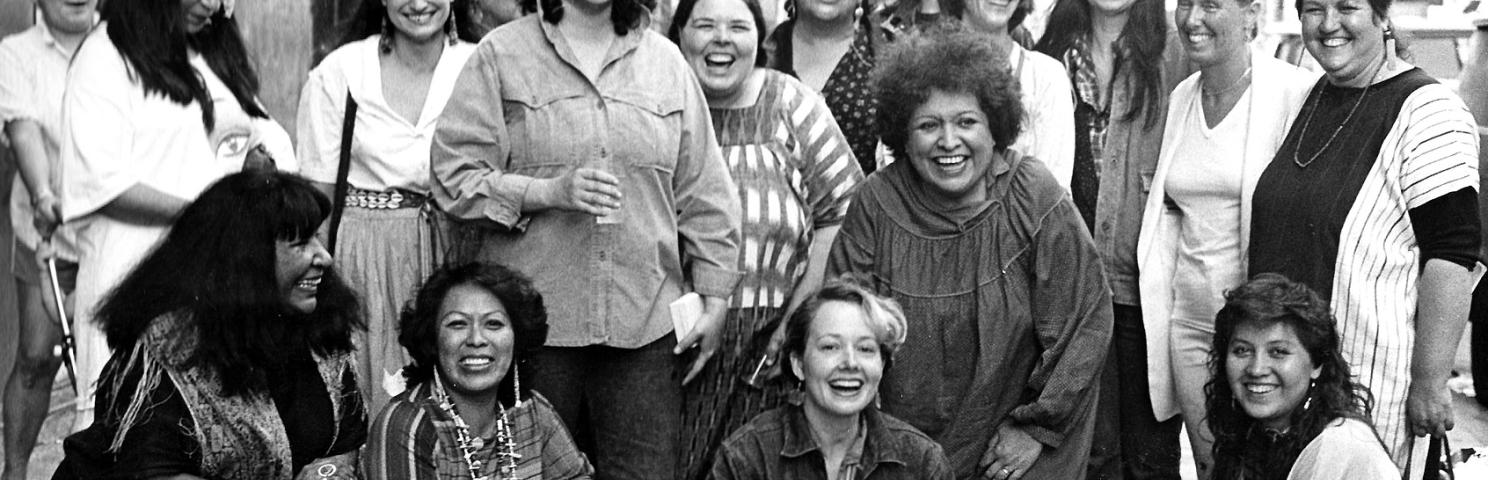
(1347, 449)
(347, 60)
(97, 52)
(1042, 63)
(1032, 181)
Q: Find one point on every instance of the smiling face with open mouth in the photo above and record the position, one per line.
(1345, 37)
(720, 43)
(1214, 30)
(475, 340)
(1269, 372)
(300, 265)
(842, 364)
(950, 146)
(418, 20)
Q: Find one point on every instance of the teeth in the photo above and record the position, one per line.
(476, 361)
(952, 160)
(845, 383)
(309, 283)
(1196, 38)
(1334, 42)
(1260, 389)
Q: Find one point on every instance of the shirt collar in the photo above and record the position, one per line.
(622, 46)
(877, 445)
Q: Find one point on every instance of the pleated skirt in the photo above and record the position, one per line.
(384, 255)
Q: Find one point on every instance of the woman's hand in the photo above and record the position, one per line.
(1010, 453)
(1428, 409)
(774, 363)
(705, 335)
(586, 190)
(339, 467)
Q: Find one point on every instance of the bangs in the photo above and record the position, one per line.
(298, 212)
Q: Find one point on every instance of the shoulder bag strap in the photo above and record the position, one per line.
(338, 199)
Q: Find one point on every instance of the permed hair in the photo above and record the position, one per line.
(1241, 448)
(882, 315)
(418, 327)
(948, 58)
(684, 14)
(217, 267)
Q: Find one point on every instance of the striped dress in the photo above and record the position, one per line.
(414, 439)
(794, 171)
(1345, 221)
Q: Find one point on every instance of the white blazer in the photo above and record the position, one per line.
(1278, 91)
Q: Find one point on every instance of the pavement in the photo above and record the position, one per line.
(1471, 431)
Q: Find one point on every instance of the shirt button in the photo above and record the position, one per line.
(1106, 227)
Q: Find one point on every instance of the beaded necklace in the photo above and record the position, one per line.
(506, 453)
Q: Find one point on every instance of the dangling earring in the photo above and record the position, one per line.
(385, 44)
(450, 29)
(516, 386)
(1308, 404)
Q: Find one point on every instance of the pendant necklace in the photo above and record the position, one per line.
(1318, 99)
(470, 445)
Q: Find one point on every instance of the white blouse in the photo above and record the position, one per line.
(388, 150)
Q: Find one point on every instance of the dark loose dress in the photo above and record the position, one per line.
(1009, 313)
(1356, 218)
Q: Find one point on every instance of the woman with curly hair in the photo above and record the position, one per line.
(986, 253)
(1282, 403)
(471, 331)
(232, 348)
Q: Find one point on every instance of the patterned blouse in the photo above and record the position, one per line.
(848, 91)
(414, 439)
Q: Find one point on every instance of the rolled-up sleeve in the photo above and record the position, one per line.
(1071, 308)
(17, 95)
(471, 146)
(319, 122)
(707, 203)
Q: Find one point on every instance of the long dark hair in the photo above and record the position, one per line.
(371, 19)
(150, 36)
(418, 327)
(625, 14)
(1244, 449)
(1140, 47)
(216, 268)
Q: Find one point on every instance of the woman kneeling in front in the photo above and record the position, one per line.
(1282, 403)
(470, 331)
(840, 341)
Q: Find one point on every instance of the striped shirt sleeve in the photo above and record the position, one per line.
(829, 168)
(1439, 147)
(393, 449)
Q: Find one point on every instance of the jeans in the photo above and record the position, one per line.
(1478, 317)
(623, 406)
(1149, 449)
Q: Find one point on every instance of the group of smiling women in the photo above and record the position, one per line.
(574, 248)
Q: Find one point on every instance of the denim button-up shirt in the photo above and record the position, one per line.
(778, 445)
(522, 110)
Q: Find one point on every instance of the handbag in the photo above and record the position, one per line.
(343, 168)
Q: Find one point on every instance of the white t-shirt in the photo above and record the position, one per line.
(31, 85)
(1204, 182)
(1346, 450)
(388, 151)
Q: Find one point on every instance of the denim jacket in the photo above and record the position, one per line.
(522, 110)
(777, 445)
